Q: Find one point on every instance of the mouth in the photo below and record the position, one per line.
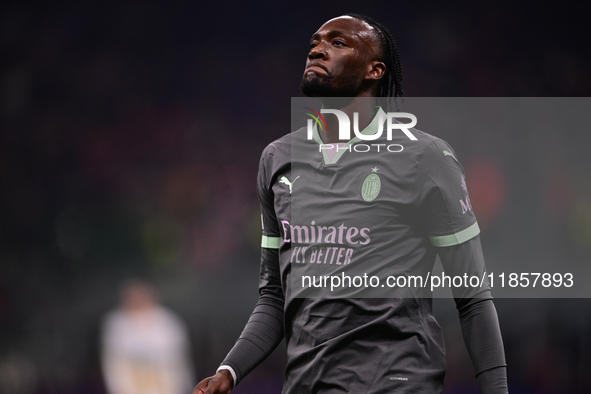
(315, 67)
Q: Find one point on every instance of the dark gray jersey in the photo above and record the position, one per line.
(381, 208)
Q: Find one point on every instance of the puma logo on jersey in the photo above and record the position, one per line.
(286, 181)
(448, 153)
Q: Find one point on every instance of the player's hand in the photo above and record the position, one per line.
(220, 383)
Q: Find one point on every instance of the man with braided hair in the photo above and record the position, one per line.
(328, 210)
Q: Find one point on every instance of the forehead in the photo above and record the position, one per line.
(350, 26)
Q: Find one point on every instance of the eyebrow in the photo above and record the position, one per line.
(330, 33)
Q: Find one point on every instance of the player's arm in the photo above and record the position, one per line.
(478, 316)
(261, 335)
(264, 329)
(453, 230)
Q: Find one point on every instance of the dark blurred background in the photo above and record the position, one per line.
(130, 133)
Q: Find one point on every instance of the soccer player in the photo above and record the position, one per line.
(333, 208)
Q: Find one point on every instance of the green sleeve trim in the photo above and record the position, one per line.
(457, 238)
(270, 242)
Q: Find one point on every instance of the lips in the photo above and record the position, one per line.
(318, 65)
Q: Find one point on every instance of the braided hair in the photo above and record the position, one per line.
(391, 83)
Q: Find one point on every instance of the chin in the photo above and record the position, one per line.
(324, 87)
(311, 87)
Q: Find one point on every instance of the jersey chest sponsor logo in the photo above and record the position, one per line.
(371, 186)
(324, 234)
(323, 244)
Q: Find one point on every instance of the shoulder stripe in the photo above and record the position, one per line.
(270, 242)
(457, 238)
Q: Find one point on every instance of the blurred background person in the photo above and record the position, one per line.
(145, 347)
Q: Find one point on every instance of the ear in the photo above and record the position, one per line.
(376, 70)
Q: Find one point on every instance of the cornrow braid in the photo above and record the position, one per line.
(391, 84)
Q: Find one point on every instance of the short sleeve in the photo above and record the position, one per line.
(444, 199)
(270, 275)
(271, 236)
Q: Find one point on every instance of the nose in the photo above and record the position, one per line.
(318, 52)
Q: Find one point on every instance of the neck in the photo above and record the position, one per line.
(363, 106)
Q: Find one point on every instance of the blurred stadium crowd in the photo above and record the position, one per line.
(130, 134)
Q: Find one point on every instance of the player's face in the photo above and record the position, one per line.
(340, 58)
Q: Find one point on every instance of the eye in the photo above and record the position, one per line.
(339, 43)
(313, 45)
